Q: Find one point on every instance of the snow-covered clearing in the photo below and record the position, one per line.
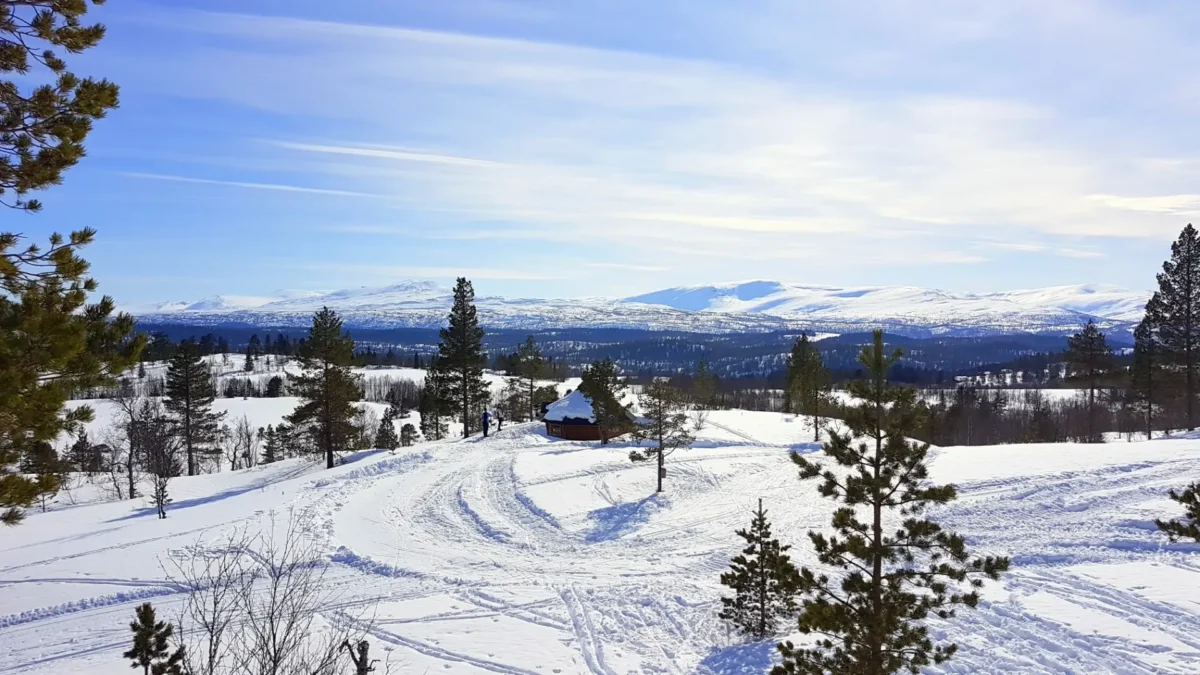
(525, 554)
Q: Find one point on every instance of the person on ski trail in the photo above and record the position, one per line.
(487, 422)
(499, 420)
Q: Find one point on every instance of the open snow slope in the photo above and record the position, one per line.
(522, 554)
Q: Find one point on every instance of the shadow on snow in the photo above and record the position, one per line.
(613, 522)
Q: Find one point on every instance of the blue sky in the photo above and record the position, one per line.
(600, 147)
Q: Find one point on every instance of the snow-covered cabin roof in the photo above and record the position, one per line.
(576, 406)
(572, 406)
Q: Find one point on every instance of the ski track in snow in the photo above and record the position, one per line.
(521, 554)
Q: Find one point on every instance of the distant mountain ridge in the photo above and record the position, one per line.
(716, 308)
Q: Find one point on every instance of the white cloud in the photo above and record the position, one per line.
(254, 186)
(561, 142)
(389, 153)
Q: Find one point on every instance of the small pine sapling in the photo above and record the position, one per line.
(763, 580)
(408, 435)
(151, 649)
(1189, 526)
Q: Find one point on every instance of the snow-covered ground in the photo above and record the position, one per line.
(525, 554)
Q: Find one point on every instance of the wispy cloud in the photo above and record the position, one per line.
(1174, 204)
(389, 153)
(625, 266)
(900, 135)
(431, 271)
(255, 186)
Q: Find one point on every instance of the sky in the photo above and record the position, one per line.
(612, 147)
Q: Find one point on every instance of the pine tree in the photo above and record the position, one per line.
(461, 358)
(408, 435)
(704, 385)
(1147, 372)
(807, 382)
(433, 403)
(86, 456)
(248, 364)
(530, 365)
(49, 470)
(665, 424)
(604, 387)
(270, 439)
(52, 344)
(327, 388)
(1179, 308)
(1089, 360)
(151, 645)
(1189, 526)
(141, 370)
(42, 129)
(190, 395)
(386, 437)
(274, 387)
(763, 580)
(869, 618)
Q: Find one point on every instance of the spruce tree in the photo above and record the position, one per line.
(807, 382)
(763, 580)
(49, 470)
(86, 456)
(386, 437)
(1179, 308)
(1147, 374)
(274, 387)
(408, 435)
(892, 567)
(327, 387)
(272, 452)
(190, 395)
(665, 424)
(151, 649)
(433, 403)
(1089, 360)
(604, 387)
(1187, 527)
(530, 365)
(704, 385)
(462, 359)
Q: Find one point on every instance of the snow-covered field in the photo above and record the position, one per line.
(525, 554)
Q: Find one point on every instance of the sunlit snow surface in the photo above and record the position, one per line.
(524, 554)
(718, 308)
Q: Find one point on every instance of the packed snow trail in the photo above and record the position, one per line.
(523, 554)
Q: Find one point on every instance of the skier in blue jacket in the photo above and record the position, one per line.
(487, 422)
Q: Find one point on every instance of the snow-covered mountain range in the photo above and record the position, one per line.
(718, 308)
